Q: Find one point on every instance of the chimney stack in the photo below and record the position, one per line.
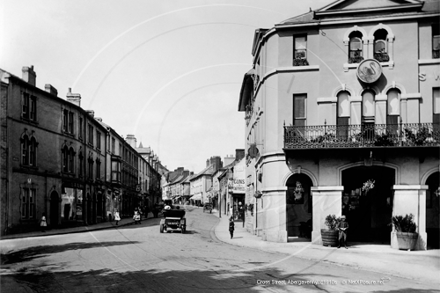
(73, 98)
(131, 140)
(51, 90)
(29, 75)
(91, 113)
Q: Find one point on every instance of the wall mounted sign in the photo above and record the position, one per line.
(369, 70)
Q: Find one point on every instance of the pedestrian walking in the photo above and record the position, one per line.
(342, 227)
(231, 226)
(117, 217)
(43, 222)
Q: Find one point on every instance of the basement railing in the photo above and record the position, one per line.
(367, 135)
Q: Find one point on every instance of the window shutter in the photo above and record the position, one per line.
(368, 104)
(343, 104)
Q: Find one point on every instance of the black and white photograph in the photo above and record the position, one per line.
(220, 146)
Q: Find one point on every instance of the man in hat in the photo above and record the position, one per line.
(342, 227)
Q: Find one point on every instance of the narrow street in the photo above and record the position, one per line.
(138, 258)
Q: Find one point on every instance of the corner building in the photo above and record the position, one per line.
(338, 97)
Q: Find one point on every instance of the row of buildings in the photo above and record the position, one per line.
(60, 160)
(221, 183)
(342, 113)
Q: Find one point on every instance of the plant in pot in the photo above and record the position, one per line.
(330, 235)
(405, 228)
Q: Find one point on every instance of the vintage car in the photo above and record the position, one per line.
(173, 219)
(207, 207)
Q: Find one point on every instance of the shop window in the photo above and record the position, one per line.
(299, 110)
(381, 46)
(355, 52)
(343, 115)
(393, 109)
(28, 151)
(28, 203)
(300, 51)
(435, 41)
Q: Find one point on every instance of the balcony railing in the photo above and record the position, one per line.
(368, 135)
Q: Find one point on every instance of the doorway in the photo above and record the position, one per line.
(54, 208)
(367, 202)
(433, 211)
(299, 206)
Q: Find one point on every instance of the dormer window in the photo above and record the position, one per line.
(355, 54)
(381, 46)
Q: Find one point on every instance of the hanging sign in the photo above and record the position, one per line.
(369, 70)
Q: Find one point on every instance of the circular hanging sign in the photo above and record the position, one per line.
(369, 70)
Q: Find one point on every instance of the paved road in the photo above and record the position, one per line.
(138, 258)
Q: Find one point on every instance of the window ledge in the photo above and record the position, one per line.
(429, 61)
(29, 120)
(348, 66)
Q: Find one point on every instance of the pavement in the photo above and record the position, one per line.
(423, 266)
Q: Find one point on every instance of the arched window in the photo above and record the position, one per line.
(343, 114)
(71, 160)
(368, 114)
(25, 150)
(381, 46)
(28, 150)
(393, 109)
(65, 157)
(355, 54)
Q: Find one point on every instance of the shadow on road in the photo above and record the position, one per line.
(40, 251)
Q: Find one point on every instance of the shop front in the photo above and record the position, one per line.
(71, 202)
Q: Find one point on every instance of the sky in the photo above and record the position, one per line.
(167, 71)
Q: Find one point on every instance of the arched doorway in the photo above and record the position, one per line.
(368, 212)
(299, 206)
(54, 208)
(433, 211)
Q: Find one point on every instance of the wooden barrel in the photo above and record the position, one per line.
(329, 237)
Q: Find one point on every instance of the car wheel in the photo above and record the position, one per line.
(161, 228)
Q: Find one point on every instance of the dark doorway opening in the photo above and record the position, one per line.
(368, 212)
(299, 206)
(433, 211)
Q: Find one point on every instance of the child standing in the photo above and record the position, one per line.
(43, 223)
(231, 226)
(117, 217)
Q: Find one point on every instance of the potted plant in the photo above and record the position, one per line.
(405, 228)
(330, 235)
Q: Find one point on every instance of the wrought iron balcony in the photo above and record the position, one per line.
(368, 135)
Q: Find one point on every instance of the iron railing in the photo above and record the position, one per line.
(368, 135)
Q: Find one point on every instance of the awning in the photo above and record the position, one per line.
(196, 197)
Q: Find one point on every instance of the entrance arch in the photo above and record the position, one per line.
(54, 208)
(299, 206)
(433, 211)
(368, 212)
